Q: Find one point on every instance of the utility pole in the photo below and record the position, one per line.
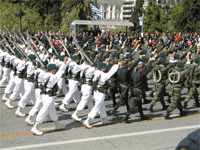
(95, 4)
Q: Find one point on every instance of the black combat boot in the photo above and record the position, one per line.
(143, 117)
(167, 115)
(197, 102)
(151, 94)
(169, 99)
(185, 105)
(146, 101)
(151, 108)
(182, 113)
(125, 119)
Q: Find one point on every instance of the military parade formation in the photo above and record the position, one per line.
(90, 67)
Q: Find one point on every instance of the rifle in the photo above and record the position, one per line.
(18, 37)
(83, 53)
(42, 44)
(51, 43)
(8, 45)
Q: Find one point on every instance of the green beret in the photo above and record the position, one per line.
(162, 54)
(128, 49)
(143, 58)
(143, 52)
(180, 64)
(54, 53)
(19, 41)
(115, 46)
(75, 57)
(102, 65)
(101, 51)
(176, 56)
(32, 57)
(162, 60)
(61, 58)
(89, 48)
(93, 43)
(39, 65)
(51, 66)
(67, 42)
(103, 47)
(197, 60)
(128, 55)
(115, 54)
(185, 44)
(19, 55)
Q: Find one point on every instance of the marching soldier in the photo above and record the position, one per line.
(49, 89)
(123, 77)
(137, 79)
(162, 71)
(179, 76)
(194, 79)
(102, 85)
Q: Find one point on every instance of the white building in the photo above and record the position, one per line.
(112, 9)
(121, 9)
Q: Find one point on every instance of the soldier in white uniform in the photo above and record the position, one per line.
(99, 94)
(19, 81)
(29, 86)
(62, 83)
(74, 70)
(38, 104)
(50, 80)
(87, 74)
(1, 58)
(10, 87)
(6, 68)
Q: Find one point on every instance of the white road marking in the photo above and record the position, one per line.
(101, 138)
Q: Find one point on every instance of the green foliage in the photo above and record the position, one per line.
(138, 11)
(186, 16)
(154, 18)
(30, 21)
(74, 10)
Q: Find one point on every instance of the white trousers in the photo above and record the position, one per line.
(73, 93)
(1, 71)
(9, 88)
(62, 85)
(86, 98)
(99, 106)
(19, 88)
(47, 108)
(29, 93)
(38, 103)
(6, 76)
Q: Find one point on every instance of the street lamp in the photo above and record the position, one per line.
(164, 5)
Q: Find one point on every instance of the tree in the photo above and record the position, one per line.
(74, 10)
(138, 11)
(50, 12)
(30, 21)
(154, 18)
(186, 16)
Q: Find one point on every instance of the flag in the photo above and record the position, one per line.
(97, 13)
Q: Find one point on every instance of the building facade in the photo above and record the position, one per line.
(121, 9)
(112, 9)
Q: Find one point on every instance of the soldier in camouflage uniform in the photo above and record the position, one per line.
(194, 81)
(160, 84)
(177, 88)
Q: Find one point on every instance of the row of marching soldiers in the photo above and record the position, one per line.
(116, 70)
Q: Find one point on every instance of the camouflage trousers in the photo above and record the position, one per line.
(176, 103)
(159, 94)
(192, 93)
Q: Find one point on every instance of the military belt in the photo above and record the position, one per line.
(124, 86)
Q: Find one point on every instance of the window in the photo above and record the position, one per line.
(111, 7)
(110, 15)
(105, 6)
(116, 8)
(104, 16)
(119, 8)
(119, 16)
(115, 15)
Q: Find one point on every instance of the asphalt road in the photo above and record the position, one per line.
(154, 134)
